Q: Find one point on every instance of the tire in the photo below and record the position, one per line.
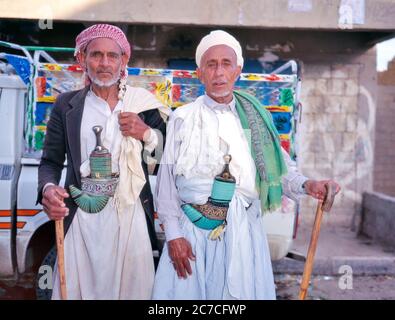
(49, 260)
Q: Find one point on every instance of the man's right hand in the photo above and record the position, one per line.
(180, 251)
(53, 203)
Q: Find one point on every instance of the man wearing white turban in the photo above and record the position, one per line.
(212, 252)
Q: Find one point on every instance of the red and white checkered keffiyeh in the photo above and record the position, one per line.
(102, 31)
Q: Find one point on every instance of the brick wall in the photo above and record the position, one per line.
(384, 167)
(336, 133)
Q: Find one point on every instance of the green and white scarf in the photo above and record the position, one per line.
(265, 149)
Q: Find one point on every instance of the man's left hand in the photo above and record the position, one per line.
(131, 125)
(317, 189)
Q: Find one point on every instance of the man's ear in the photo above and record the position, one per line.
(199, 74)
(81, 58)
(124, 61)
(238, 71)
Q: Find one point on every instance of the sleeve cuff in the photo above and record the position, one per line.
(150, 140)
(46, 186)
(301, 190)
(172, 230)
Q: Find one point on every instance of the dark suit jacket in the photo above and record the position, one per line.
(63, 138)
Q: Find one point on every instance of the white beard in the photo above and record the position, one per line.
(108, 83)
(103, 83)
(220, 95)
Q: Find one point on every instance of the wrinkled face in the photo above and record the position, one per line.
(103, 60)
(218, 72)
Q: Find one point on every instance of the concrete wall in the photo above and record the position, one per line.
(384, 167)
(309, 14)
(378, 220)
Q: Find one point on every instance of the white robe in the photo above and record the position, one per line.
(108, 255)
(239, 266)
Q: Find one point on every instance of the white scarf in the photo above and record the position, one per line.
(201, 151)
(131, 173)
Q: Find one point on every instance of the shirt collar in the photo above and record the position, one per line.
(220, 107)
(99, 101)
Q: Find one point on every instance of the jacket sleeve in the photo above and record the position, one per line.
(154, 120)
(53, 157)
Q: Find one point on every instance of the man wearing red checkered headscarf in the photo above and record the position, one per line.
(108, 255)
(102, 31)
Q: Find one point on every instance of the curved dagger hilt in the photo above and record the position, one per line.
(100, 158)
(99, 145)
(225, 174)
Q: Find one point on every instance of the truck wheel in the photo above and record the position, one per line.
(49, 261)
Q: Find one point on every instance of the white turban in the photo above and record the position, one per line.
(215, 38)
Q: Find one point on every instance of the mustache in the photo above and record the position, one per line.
(104, 70)
(219, 82)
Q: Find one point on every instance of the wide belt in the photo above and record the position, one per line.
(206, 216)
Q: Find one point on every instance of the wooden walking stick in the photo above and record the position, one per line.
(326, 205)
(60, 249)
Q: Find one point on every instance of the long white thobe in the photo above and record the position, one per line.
(108, 255)
(238, 267)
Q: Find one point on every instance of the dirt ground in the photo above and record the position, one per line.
(23, 289)
(333, 288)
(321, 288)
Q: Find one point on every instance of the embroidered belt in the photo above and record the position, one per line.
(207, 216)
(100, 187)
(211, 211)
